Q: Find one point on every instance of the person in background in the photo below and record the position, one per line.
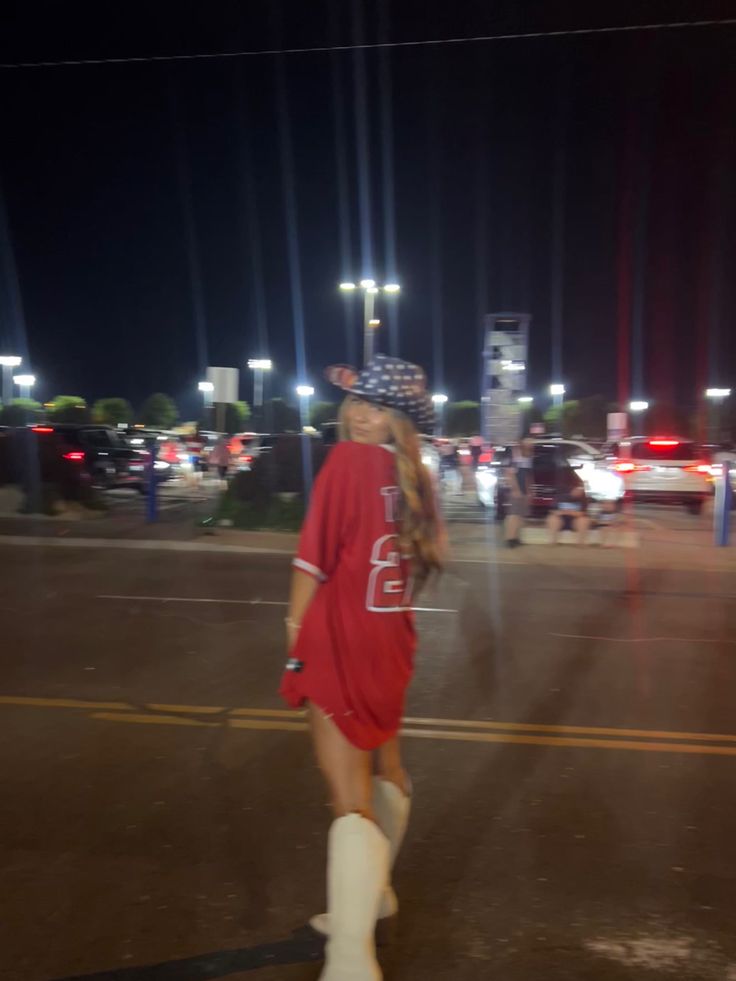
(519, 477)
(450, 466)
(476, 449)
(606, 520)
(570, 509)
(220, 457)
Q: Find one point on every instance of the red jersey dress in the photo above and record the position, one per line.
(354, 655)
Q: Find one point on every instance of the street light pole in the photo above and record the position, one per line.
(258, 366)
(638, 407)
(369, 306)
(716, 398)
(305, 392)
(525, 402)
(440, 400)
(557, 391)
(370, 290)
(25, 383)
(8, 362)
(207, 389)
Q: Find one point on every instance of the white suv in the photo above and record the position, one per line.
(664, 470)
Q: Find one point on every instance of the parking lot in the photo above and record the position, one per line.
(569, 733)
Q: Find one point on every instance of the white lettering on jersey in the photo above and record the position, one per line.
(391, 497)
(387, 590)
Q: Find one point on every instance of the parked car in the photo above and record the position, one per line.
(170, 448)
(549, 456)
(99, 452)
(244, 448)
(664, 470)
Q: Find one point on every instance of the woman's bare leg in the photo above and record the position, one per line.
(346, 769)
(389, 766)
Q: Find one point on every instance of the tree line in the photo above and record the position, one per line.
(585, 417)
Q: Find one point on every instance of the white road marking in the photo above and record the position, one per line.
(239, 602)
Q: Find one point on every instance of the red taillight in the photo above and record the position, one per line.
(662, 443)
(485, 458)
(75, 455)
(42, 429)
(706, 468)
(248, 459)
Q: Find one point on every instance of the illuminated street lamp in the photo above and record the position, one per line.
(370, 289)
(440, 401)
(25, 383)
(207, 389)
(258, 366)
(9, 362)
(638, 405)
(716, 397)
(557, 391)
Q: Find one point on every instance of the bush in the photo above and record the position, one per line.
(462, 419)
(159, 411)
(281, 470)
(322, 412)
(252, 500)
(247, 487)
(274, 515)
(19, 412)
(69, 408)
(110, 412)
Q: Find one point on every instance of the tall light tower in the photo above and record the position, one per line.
(440, 401)
(305, 392)
(9, 362)
(25, 383)
(557, 391)
(258, 366)
(370, 289)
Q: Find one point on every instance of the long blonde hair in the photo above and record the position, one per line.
(421, 535)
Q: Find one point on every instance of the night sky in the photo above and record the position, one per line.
(162, 216)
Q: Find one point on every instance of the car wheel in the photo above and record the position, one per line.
(694, 507)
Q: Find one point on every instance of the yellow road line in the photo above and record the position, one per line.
(270, 713)
(156, 720)
(446, 735)
(639, 747)
(62, 703)
(189, 709)
(264, 724)
(280, 720)
(583, 730)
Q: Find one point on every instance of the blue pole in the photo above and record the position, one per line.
(306, 448)
(151, 485)
(722, 508)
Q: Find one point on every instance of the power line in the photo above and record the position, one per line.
(579, 32)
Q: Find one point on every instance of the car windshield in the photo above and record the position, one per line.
(663, 449)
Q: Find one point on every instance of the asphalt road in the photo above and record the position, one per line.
(570, 734)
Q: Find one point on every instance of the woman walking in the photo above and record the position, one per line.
(371, 538)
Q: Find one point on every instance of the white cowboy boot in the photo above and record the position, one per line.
(357, 872)
(391, 808)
